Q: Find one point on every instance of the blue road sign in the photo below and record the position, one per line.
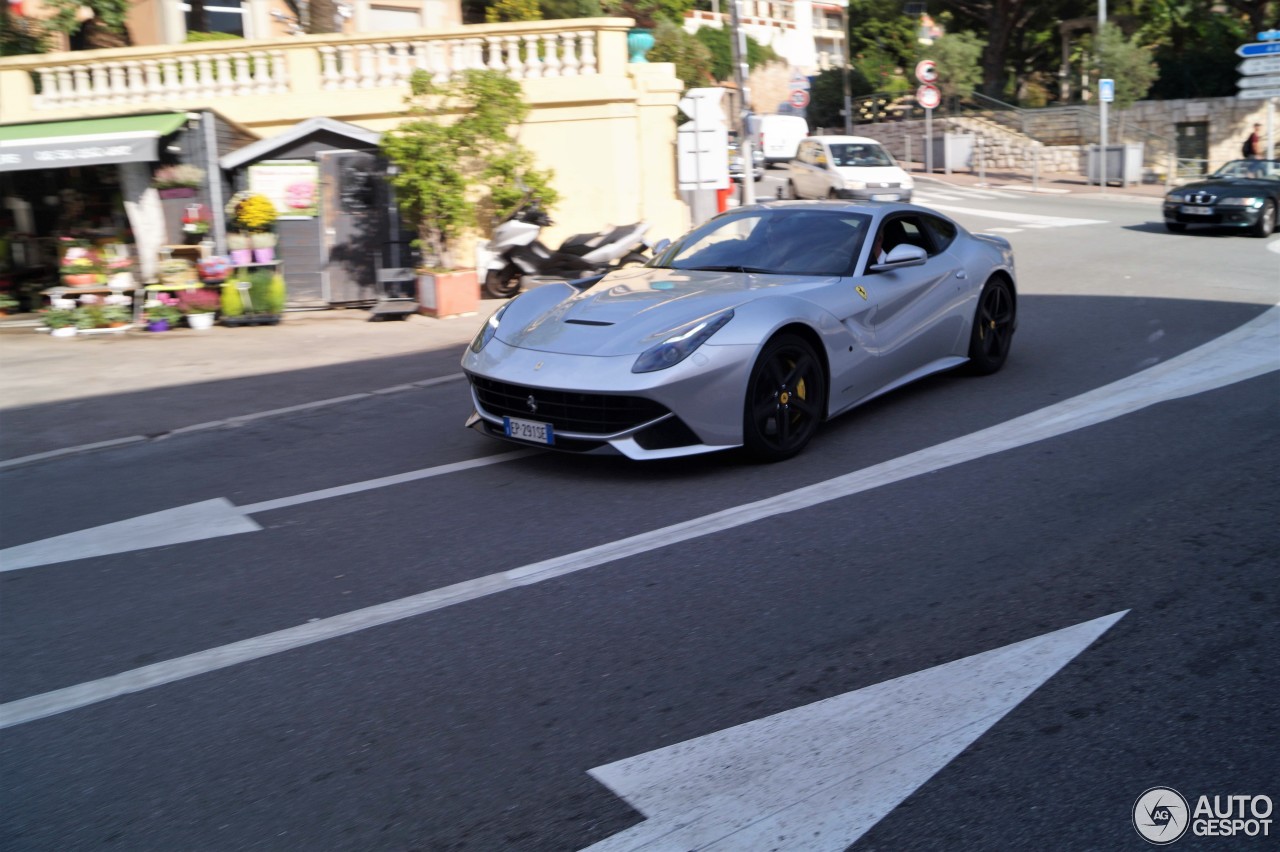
(1259, 48)
(1106, 90)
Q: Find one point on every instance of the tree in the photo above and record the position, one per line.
(20, 35)
(826, 96)
(717, 42)
(513, 10)
(105, 29)
(322, 17)
(691, 57)
(1128, 63)
(958, 56)
(458, 166)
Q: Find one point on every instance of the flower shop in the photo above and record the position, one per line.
(95, 213)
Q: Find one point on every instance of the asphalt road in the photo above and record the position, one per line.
(474, 721)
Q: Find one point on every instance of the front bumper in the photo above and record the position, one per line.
(700, 398)
(1226, 217)
(875, 194)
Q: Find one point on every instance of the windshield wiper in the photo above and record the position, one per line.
(729, 269)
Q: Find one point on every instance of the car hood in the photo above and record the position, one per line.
(874, 174)
(630, 310)
(1235, 187)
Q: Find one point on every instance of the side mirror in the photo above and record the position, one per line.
(661, 246)
(901, 257)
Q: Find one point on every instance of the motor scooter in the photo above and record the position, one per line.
(515, 251)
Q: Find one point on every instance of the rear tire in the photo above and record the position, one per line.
(994, 322)
(502, 283)
(1266, 220)
(786, 399)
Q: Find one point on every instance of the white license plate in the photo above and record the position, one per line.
(1196, 211)
(885, 197)
(528, 430)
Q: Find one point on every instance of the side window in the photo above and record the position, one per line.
(912, 232)
(944, 232)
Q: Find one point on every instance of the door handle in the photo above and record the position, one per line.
(962, 274)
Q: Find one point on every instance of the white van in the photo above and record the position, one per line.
(778, 136)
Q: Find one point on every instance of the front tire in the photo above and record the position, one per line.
(1266, 220)
(786, 399)
(502, 283)
(1175, 227)
(791, 190)
(993, 326)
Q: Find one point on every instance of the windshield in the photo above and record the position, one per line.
(1266, 169)
(849, 154)
(780, 241)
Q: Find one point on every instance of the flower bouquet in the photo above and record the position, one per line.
(213, 270)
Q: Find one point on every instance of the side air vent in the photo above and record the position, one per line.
(585, 322)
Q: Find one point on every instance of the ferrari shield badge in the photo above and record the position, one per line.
(861, 292)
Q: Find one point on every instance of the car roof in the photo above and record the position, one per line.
(861, 140)
(870, 208)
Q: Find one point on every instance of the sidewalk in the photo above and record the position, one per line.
(1053, 184)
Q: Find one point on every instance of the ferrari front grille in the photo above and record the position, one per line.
(566, 411)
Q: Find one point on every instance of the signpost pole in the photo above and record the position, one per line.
(745, 142)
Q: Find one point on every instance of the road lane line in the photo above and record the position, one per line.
(1250, 351)
(1028, 219)
(204, 520)
(238, 420)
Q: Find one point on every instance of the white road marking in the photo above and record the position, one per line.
(1002, 230)
(818, 777)
(1249, 351)
(207, 519)
(223, 424)
(1027, 219)
(1274, 246)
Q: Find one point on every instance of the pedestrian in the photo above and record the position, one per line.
(1252, 148)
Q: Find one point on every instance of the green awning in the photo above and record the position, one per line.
(89, 141)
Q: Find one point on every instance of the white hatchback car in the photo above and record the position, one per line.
(847, 167)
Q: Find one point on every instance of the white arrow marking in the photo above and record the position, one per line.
(1251, 350)
(818, 777)
(208, 519)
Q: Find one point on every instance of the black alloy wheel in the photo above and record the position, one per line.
(786, 399)
(502, 283)
(1266, 220)
(993, 326)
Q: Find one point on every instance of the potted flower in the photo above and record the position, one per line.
(180, 181)
(80, 265)
(264, 246)
(454, 176)
(161, 313)
(250, 213)
(61, 322)
(8, 303)
(640, 36)
(238, 245)
(200, 307)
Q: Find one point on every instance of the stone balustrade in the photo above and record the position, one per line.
(38, 87)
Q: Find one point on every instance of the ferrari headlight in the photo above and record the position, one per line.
(489, 329)
(1240, 202)
(679, 345)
